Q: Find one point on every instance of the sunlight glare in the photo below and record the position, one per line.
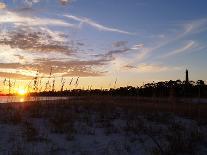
(22, 92)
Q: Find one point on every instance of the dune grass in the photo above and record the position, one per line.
(103, 125)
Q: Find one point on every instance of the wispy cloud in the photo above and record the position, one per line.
(8, 17)
(29, 3)
(100, 27)
(150, 68)
(195, 26)
(137, 46)
(182, 31)
(188, 46)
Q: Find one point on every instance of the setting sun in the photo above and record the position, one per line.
(22, 92)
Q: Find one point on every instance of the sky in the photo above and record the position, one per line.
(128, 41)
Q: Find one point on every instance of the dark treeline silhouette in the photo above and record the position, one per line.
(176, 88)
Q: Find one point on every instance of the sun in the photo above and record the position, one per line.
(21, 92)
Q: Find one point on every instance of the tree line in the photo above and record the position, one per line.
(176, 88)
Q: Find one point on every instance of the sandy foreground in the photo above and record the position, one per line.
(103, 125)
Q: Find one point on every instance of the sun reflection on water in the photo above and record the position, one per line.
(22, 99)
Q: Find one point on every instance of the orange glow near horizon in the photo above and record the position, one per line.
(21, 92)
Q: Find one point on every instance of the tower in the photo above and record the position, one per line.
(186, 77)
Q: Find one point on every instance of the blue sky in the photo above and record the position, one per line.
(134, 41)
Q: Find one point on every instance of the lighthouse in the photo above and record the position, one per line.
(186, 77)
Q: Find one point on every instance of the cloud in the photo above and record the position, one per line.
(150, 68)
(137, 46)
(120, 43)
(65, 2)
(16, 71)
(61, 67)
(84, 20)
(195, 26)
(129, 67)
(19, 71)
(2, 5)
(188, 46)
(183, 30)
(32, 49)
(65, 65)
(117, 51)
(27, 44)
(36, 41)
(122, 48)
(122, 53)
(8, 17)
(83, 72)
(151, 49)
(29, 3)
(16, 76)
(111, 55)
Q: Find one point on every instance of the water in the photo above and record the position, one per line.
(14, 99)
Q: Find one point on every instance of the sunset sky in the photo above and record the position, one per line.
(133, 41)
